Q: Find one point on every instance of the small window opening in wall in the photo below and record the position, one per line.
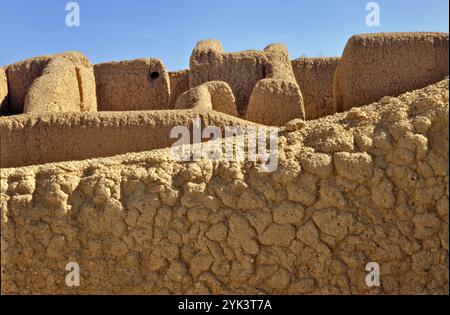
(154, 75)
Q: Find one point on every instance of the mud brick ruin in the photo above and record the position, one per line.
(86, 174)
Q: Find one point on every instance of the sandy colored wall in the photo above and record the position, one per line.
(140, 84)
(212, 95)
(376, 65)
(241, 70)
(315, 79)
(70, 76)
(37, 139)
(3, 92)
(262, 82)
(277, 98)
(370, 185)
(179, 83)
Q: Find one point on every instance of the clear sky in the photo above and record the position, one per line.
(169, 29)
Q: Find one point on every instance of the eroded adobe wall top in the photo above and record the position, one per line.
(43, 138)
(262, 82)
(52, 83)
(369, 185)
(376, 65)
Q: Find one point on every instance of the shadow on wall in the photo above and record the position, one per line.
(3, 92)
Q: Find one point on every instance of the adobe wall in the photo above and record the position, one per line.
(315, 79)
(70, 76)
(179, 83)
(277, 98)
(140, 84)
(262, 82)
(241, 70)
(36, 139)
(376, 65)
(3, 92)
(369, 185)
(212, 95)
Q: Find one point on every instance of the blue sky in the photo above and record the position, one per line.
(169, 29)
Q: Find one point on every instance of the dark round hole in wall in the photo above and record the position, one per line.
(154, 75)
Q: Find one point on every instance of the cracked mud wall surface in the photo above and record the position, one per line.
(368, 185)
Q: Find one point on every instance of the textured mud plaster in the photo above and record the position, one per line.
(216, 95)
(53, 83)
(179, 83)
(139, 84)
(315, 79)
(36, 139)
(3, 92)
(376, 65)
(367, 185)
(262, 82)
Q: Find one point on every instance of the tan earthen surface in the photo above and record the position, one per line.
(3, 92)
(179, 83)
(52, 83)
(262, 82)
(37, 139)
(213, 95)
(315, 79)
(368, 185)
(140, 84)
(388, 64)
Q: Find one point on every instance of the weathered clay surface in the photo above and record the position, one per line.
(315, 79)
(179, 83)
(377, 65)
(36, 139)
(54, 83)
(262, 82)
(368, 185)
(140, 84)
(3, 92)
(213, 95)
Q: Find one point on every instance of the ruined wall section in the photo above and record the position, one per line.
(241, 70)
(179, 83)
(37, 139)
(140, 84)
(376, 65)
(315, 79)
(276, 99)
(52, 83)
(367, 185)
(262, 82)
(213, 95)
